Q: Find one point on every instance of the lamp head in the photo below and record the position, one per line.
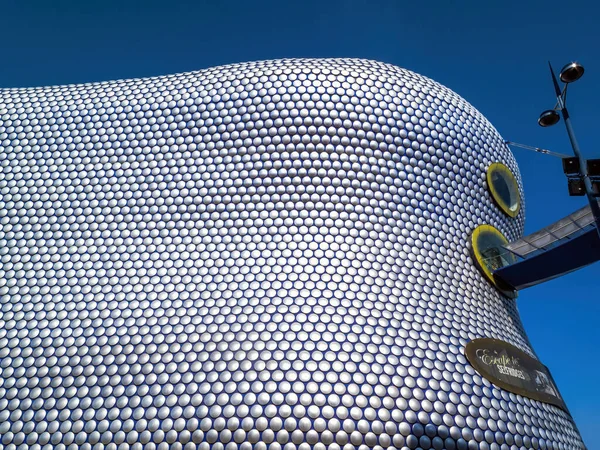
(571, 72)
(548, 118)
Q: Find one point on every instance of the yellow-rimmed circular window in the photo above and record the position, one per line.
(490, 254)
(504, 188)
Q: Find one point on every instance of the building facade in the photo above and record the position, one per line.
(271, 255)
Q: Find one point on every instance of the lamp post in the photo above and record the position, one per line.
(570, 73)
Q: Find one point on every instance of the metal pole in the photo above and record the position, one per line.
(582, 162)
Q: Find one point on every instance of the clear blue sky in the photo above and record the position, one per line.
(493, 53)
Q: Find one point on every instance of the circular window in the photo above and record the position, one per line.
(489, 254)
(504, 188)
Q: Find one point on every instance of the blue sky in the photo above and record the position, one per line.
(493, 53)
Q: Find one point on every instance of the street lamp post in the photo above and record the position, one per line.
(570, 73)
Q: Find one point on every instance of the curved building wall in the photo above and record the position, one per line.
(272, 255)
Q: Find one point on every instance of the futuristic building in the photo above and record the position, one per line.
(272, 255)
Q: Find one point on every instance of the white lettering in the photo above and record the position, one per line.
(512, 372)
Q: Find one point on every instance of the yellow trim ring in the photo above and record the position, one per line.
(479, 258)
(509, 178)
